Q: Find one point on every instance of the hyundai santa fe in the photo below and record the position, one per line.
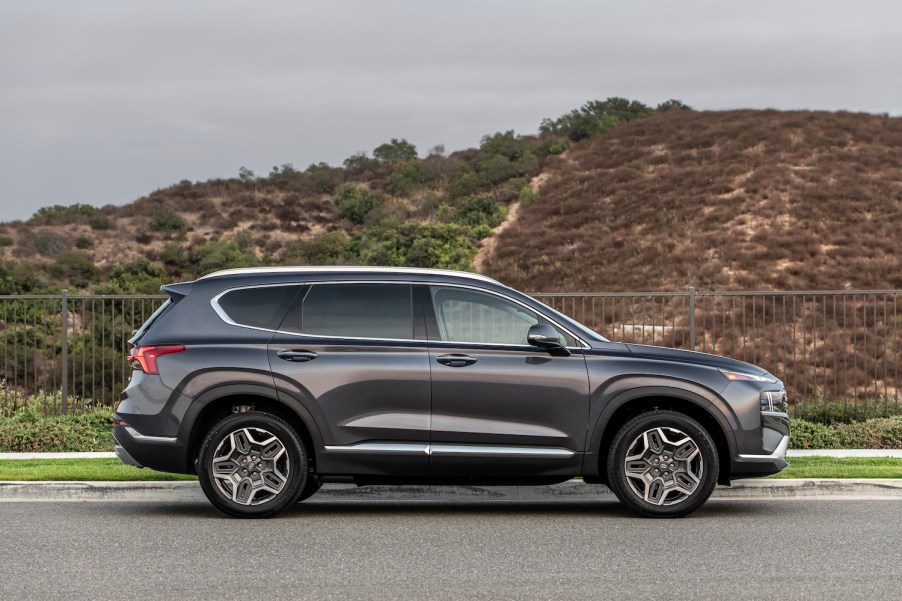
(267, 383)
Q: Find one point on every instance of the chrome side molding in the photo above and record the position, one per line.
(451, 450)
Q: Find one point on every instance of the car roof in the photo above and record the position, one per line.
(346, 269)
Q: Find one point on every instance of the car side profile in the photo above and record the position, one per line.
(267, 383)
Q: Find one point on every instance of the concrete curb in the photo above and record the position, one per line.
(895, 453)
(573, 490)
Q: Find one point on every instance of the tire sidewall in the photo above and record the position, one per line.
(297, 457)
(661, 418)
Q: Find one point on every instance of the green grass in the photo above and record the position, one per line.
(851, 467)
(79, 469)
(112, 469)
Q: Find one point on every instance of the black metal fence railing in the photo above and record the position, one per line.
(839, 345)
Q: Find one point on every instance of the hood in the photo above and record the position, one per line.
(681, 356)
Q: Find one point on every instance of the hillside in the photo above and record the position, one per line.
(615, 195)
(742, 200)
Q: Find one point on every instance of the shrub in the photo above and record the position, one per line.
(444, 245)
(6, 240)
(408, 176)
(827, 412)
(355, 203)
(528, 197)
(323, 179)
(554, 145)
(100, 222)
(395, 151)
(166, 220)
(50, 243)
(84, 242)
(138, 276)
(331, 248)
(464, 180)
(57, 214)
(221, 254)
(480, 211)
(359, 163)
(17, 278)
(77, 268)
(25, 426)
(878, 433)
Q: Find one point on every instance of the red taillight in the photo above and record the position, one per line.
(120, 422)
(145, 357)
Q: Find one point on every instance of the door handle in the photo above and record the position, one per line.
(297, 356)
(455, 360)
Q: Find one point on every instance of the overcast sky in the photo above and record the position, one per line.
(104, 101)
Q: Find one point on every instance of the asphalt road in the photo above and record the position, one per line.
(328, 549)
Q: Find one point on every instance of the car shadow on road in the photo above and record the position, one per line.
(328, 508)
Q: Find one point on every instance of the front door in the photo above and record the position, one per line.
(499, 405)
(350, 354)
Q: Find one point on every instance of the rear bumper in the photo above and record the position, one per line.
(156, 452)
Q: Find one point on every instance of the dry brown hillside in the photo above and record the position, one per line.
(719, 200)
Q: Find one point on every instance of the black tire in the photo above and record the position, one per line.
(266, 479)
(312, 485)
(664, 482)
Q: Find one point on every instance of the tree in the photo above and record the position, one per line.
(672, 104)
(246, 175)
(395, 151)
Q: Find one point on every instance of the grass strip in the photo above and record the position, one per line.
(842, 467)
(80, 469)
(113, 469)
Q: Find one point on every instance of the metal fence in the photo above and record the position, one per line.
(839, 345)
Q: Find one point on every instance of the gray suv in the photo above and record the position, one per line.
(267, 383)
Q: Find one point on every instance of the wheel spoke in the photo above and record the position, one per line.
(663, 466)
(250, 466)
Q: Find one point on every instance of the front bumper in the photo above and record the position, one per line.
(774, 443)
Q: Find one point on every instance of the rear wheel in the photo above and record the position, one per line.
(662, 464)
(252, 465)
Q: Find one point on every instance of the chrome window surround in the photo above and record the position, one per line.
(214, 302)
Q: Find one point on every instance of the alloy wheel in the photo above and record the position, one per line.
(663, 466)
(250, 466)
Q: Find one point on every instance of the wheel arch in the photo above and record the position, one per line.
(633, 402)
(217, 403)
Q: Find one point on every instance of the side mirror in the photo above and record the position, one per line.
(546, 337)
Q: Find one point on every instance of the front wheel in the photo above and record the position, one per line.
(662, 464)
(252, 465)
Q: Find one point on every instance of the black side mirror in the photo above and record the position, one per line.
(546, 337)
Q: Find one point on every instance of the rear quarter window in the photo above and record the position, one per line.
(260, 307)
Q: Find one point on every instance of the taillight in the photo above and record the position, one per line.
(145, 357)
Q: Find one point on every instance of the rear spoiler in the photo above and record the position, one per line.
(177, 291)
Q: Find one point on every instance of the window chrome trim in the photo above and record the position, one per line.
(453, 450)
(214, 303)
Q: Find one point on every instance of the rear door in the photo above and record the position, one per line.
(352, 354)
(499, 405)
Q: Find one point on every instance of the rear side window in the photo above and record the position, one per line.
(261, 307)
(160, 312)
(355, 311)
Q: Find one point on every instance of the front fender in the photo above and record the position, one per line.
(605, 403)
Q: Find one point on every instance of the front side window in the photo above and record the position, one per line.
(466, 315)
(355, 311)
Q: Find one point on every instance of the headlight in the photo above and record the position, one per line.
(774, 401)
(736, 375)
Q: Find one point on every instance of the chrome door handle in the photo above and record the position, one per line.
(297, 356)
(455, 360)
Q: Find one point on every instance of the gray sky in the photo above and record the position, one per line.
(104, 101)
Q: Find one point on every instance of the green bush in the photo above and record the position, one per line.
(84, 242)
(528, 197)
(18, 278)
(331, 248)
(438, 245)
(57, 214)
(30, 426)
(408, 176)
(359, 163)
(480, 211)
(5, 240)
(355, 203)
(323, 179)
(395, 151)
(878, 433)
(138, 276)
(75, 267)
(100, 222)
(50, 243)
(832, 412)
(166, 220)
(464, 180)
(221, 254)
